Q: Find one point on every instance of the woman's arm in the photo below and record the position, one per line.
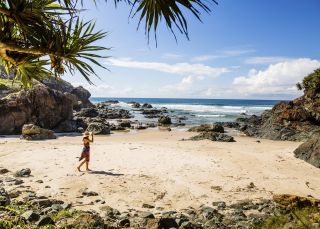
(91, 137)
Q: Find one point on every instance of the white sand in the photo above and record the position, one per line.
(155, 167)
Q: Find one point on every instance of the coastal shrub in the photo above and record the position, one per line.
(63, 214)
(311, 83)
(4, 224)
(297, 218)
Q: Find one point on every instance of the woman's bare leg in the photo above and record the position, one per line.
(81, 165)
(87, 166)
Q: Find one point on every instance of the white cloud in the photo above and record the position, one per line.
(222, 54)
(203, 58)
(172, 56)
(277, 79)
(183, 86)
(178, 68)
(266, 59)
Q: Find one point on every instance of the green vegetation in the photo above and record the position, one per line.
(47, 38)
(298, 218)
(311, 83)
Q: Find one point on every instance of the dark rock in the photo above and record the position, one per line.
(18, 182)
(40, 105)
(88, 112)
(82, 95)
(33, 132)
(23, 173)
(309, 152)
(110, 212)
(219, 204)
(135, 105)
(233, 125)
(154, 112)
(41, 202)
(146, 215)
(112, 101)
(213, 136)
(208, 128)
(125, 123)
(30, 216)
(3, 171)
(89, 193)
(209, 213)
(165, 223)
(14, 194)
(112, 113)
(4, 197)
(145, 205)
(99, 128)
(286, 121)
(147, 105)
(70, 126)
(164, 120)
(124, 222)
(45, 220)
(39, 181)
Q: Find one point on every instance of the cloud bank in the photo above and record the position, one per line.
(178, 68)
(279, 78)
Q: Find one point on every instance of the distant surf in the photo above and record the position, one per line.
(199, 111)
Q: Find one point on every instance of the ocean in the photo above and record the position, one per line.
(198, 111)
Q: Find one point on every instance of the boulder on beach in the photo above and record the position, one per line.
(99, 128)
(214, 127)
(309, 152)
(213, 136)
(23, 173)
(34, 132)
(164, 120)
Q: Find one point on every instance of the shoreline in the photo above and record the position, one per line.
(155, 167)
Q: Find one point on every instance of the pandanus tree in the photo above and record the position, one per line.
(47, 38)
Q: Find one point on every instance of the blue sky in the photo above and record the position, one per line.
(253, 49)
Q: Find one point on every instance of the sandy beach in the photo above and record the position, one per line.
(155, 167)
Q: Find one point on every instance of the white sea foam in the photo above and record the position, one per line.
(211, 116)
(214, 109)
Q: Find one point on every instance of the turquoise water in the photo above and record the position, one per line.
(199, 110)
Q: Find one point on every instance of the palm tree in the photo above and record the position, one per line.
(46, 38)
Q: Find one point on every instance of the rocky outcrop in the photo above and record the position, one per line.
(286, 121)
(310, 151)
(82, 96)
(40, 105)
(33, 132)
(79, 94)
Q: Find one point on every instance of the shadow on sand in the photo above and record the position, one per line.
(106, 173)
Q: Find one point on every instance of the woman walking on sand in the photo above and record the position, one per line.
(86, 150)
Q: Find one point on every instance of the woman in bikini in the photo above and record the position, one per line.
(86, 150)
